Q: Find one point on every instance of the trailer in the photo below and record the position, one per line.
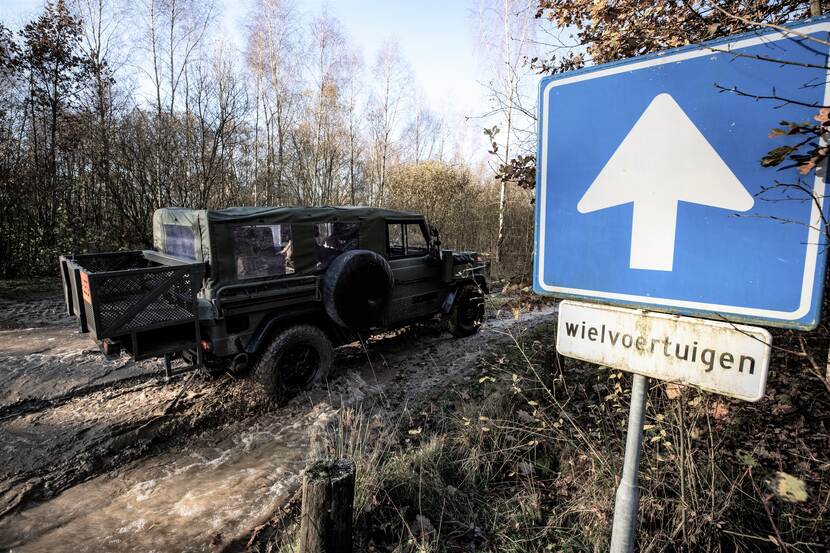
(141, 302)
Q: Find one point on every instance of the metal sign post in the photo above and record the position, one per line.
(627, 500)
(724, 358)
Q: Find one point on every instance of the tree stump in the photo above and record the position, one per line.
(328, 502)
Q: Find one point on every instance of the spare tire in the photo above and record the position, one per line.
(356, 289)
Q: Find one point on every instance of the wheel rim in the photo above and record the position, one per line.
(299, 366)
(471, 312)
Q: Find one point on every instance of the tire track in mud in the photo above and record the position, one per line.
(88, 439)
(32, 405)
(68, 414)
(48, 451)
(33, 312)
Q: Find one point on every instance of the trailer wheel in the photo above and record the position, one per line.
(467, 312)
(297, 358)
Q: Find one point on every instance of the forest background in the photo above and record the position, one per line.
(110, 109)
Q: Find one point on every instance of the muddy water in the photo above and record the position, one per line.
(193, 500)
(221, 485)
(52, 361)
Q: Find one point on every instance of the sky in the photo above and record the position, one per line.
(437, 37)
(440, 39)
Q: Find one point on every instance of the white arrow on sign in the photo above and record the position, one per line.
(664, 159)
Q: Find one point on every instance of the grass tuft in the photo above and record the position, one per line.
(526, 458)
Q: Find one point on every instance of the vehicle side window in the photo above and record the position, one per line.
(262, 250)
(396, 244)
(416, 242)
(332, 239)
(179, 241)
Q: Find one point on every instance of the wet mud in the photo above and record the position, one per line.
(109, 455)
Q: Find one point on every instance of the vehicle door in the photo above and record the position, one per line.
(418, 290)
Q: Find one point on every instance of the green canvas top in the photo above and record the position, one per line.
(290, 240)
(295, 214)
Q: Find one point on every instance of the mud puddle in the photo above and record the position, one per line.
(116, 469)
(191, 500)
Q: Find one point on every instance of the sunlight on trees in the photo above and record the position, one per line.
(110, 109)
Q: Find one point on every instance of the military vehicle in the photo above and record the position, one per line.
(273, 290)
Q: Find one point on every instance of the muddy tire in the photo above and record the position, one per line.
(357, 288)
(467, 312)
(297, 358)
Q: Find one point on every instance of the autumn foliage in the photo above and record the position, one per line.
(590, 32)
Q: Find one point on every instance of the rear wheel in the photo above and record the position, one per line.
(467, 312)
(297, 358)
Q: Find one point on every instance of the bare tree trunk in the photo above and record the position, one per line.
(417, 136)
(280, 150)
(155, 55)
(157, 82)
(351, 155)
(510, 87)
(172, 54)
(256, 136)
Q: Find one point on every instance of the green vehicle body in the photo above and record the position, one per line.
(219, 284)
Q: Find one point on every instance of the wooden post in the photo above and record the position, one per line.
(328, 502)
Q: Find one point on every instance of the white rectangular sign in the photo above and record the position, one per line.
(720, 357)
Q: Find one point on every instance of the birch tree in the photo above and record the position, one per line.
(392, 76)
(272, 56)
(353, 96)
(511, 110)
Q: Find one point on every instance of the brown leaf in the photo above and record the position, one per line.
(823, 116)
(776, 156)
(719, 410)
(807, 166)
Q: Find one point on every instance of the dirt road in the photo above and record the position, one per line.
(99, 455)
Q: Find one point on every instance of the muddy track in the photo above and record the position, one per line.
(33, 405)
(76, 429)
(76, 441)
(68, 414)
(33, 312)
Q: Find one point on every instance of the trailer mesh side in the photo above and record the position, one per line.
(123, 294)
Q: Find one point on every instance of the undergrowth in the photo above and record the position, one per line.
(525, 457)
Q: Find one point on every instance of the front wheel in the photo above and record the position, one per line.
(297, 358)
(467, 312)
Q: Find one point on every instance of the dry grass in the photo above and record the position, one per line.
(526, 459)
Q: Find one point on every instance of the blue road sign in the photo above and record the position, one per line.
(650, 189)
